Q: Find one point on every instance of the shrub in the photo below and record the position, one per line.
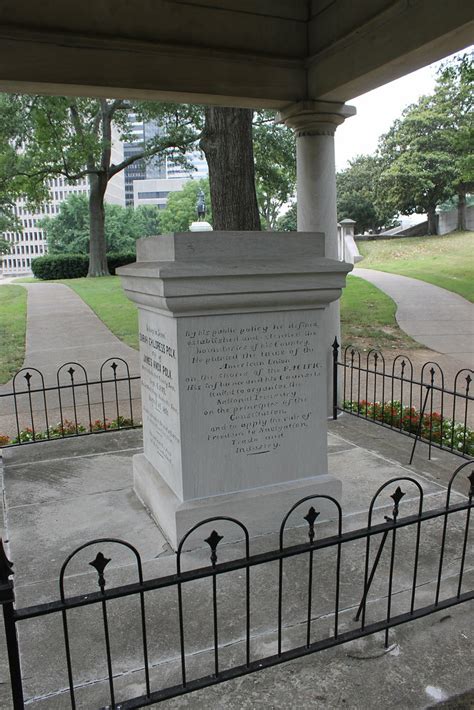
(116, 259)
(73, 266)
(60, 266)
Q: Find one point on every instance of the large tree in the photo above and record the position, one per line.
(418, 169)
(72, 137)
(8, 170)
(454, 97)
(288, 221)
(68, 231)
(427, 153)
(4, 246)
(275, 166)
(252, 167)
(359, 196)
(4, 249)
(227, 144)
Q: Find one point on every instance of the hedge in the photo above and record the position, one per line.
(73, 266)
(116, 259)
(60, 266)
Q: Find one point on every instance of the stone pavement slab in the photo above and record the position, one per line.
(69, 494)
(433, 316)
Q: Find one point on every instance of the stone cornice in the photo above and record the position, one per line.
(176, 277)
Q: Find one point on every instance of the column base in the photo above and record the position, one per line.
(261, 510)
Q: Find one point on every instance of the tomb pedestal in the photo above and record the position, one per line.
(233, 352)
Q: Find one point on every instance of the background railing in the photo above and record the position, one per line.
(424, 408)
(72, 405)
(199, 626)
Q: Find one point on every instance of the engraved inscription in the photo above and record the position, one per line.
(159, 391)
(253, 382)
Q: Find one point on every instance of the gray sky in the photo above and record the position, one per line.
(377, 110)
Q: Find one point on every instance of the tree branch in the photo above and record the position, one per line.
(119, 105)
(77, 125)
(106, 135)
(114, 169)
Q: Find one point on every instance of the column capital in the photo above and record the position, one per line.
(315, 118)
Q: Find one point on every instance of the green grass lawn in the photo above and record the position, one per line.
(367, 314)
(12, 330)
(106, 298)
(368, 318)
(446, 261)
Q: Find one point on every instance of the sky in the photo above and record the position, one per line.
(377, 110)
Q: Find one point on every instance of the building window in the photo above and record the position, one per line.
(151, 195)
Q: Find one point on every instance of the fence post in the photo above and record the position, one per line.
(420, 423)
(335, 357)
(7, 600)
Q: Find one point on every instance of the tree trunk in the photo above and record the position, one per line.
(461, 225)
(227, 144)
(97, 245)
(432, 220)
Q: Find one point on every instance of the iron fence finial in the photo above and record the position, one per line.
(213, 540)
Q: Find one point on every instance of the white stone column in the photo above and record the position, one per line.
(315, 123)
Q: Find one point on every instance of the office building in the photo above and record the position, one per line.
(31, 242)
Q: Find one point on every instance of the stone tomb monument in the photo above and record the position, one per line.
(233, 351)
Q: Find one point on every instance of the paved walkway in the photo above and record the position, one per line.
(59, 495)
(61, 327)
(436, 318)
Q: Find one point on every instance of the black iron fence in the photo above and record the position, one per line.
(424, 408)
(194, 624)
(388, 394)
(73, 405)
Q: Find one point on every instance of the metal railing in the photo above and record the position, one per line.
(74, 405)
(390, 395)
(203, 615)
(364, 385)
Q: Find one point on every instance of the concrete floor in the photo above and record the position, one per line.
(59, 495)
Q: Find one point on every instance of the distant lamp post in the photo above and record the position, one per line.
(201, 206)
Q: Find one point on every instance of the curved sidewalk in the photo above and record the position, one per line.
(436, 318)
(61, 328)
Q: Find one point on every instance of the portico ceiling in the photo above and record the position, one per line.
(231, 52)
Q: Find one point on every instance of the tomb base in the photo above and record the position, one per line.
(261, 510)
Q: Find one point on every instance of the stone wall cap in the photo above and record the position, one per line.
(229, 246)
